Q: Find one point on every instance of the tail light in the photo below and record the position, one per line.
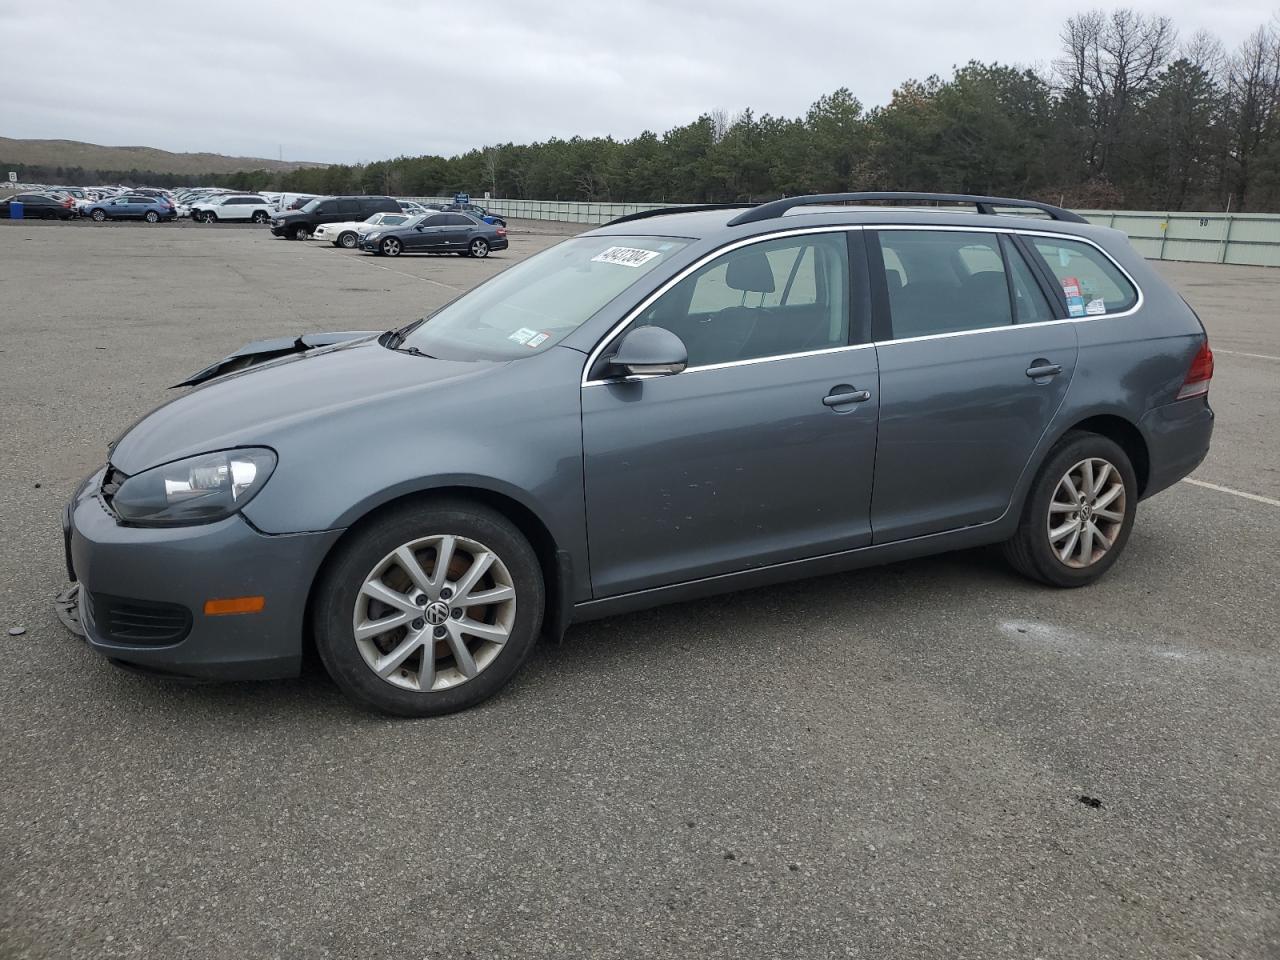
(1199, 375)
(502, 231)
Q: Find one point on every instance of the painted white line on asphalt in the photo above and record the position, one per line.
(1256, 356)
(1235, 493)
(411, 276)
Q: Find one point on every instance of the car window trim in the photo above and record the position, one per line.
(876, 280)
(1036, 254)
(620, 327)
(1050, 289)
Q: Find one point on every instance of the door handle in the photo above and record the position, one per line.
(1043, 368)
(840, 399)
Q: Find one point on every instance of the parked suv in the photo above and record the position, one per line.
(298, 224)
(233, 207)
(132, 206)
(677, 404)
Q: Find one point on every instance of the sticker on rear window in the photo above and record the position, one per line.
(626, 256)
(1075, 306)
(1071, 286)
(1096, 305)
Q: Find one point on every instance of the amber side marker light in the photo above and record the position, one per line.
(218, 608)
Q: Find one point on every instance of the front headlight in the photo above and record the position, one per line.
(201, 489)
(373, 236)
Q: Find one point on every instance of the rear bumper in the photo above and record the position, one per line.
(187, 566)
(1177, 436)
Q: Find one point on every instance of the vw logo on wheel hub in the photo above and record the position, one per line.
(437, 613)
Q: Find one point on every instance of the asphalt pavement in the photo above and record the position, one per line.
(929, 759)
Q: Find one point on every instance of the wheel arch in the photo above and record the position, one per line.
(1123, 432)
(556, 564)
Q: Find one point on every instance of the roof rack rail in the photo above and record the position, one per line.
(688, 208)
(776, 208)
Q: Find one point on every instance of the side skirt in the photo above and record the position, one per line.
(976, 536)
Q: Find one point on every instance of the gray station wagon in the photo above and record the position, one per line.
(680, 403)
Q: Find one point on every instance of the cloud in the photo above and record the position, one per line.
(344, 81)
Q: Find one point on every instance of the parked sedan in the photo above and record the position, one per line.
(437, 233)
(132, 206)
(346, 233)
(39, 206)
(477, 211)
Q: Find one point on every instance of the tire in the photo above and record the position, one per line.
(370, 556)
(478, 248)
(299, 233)
(346, 240)
(98, 216)
(1063, 562)
(259, 216)
(390, 247)
(152, 217)
(210, 217)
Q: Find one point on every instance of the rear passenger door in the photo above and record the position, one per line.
(974, 362)
(456, 232)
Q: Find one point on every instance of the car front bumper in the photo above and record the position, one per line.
(161, 569)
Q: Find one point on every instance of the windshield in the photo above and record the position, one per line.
(537, 303)
(310, 205)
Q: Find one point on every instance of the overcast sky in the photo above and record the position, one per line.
(356, 80)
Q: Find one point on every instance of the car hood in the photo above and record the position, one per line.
(254, 406)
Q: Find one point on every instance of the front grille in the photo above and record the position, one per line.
(141, 622)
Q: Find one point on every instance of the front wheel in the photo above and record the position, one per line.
(429, 608)
(390, 247)
(1078, 513)
(478, 248)
(259, 216)
(98, 215)
(300, 233)
(210, 217)
(152, 217)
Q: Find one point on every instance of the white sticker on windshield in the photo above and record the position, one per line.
(538, 340)
(523, 335)
(626, 256)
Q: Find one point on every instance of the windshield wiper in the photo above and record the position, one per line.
(413, 352)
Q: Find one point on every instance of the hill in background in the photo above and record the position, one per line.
(91, 156)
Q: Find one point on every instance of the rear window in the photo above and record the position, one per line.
(1092, 284)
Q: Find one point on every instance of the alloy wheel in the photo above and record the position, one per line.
(152, 217)
(391, 247)
(479, 248)
(99, 215)
(347, 240)
(434, 613)
(1086, 512)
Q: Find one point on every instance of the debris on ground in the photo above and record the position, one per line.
(67, 606)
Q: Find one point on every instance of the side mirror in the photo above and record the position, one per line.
(650, 351)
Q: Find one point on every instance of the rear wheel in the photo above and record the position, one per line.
(259, 216)
(478, 248)
(390, 247)
(210, 217)
(346, 240)
(1078, 514)
(429, 608)
(152, 217)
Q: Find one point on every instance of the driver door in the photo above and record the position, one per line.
(762, 450)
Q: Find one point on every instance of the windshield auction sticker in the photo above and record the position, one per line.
(626, 256)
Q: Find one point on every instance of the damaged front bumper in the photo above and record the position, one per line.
(143, 591)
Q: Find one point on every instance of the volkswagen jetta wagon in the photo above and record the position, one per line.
(679, 403)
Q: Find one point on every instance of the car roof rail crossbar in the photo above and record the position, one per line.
(688, 208)
(986, 205)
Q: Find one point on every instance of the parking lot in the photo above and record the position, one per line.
(931, 759)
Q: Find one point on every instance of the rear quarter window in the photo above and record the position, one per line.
(1092, 284)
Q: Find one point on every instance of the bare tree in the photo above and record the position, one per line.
(1253, 97)
(1112, 60)
(719, 124)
